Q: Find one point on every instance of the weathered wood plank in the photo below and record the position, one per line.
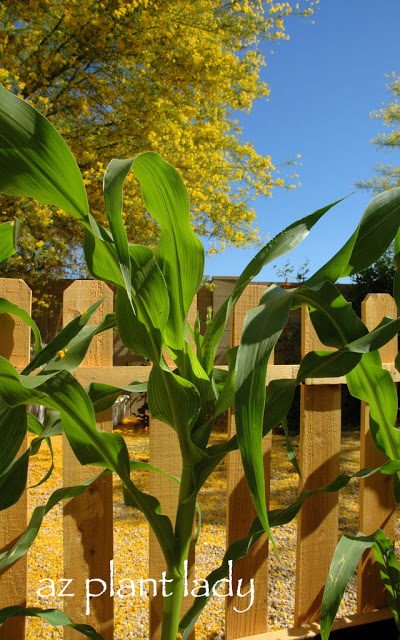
(165, 454)
(88, 519)
(377, 507)
(15, 346)
(241, 513)
(313, 629)
(319, 462)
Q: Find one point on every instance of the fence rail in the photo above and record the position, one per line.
(88, 520)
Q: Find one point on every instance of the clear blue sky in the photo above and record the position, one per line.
(324, 83)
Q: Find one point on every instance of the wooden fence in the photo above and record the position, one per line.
(88, 520)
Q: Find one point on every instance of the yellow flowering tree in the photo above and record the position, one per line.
(119, 77)
(387, 175)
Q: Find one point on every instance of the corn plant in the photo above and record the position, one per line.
(154, 293)
(344, 562)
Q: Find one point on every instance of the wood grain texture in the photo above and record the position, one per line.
(377, 507)
(312, 630)
(241, 513)
(15, 346)
(88, 519)
(317, 524)
(164, 453)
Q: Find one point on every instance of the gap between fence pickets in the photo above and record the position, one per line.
(313, 629)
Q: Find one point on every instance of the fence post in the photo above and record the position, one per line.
(317, 524)
(88, 519)
(15, 346)
(164, 453)
(241, 512)
(377, 508)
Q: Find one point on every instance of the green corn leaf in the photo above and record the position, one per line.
(103, 396)
(397, 362)
(33, 424)
(261, 330)
(173, 399)
(140, 272)
(338, 363)
(377, 338)
(179, 252)
(334, 268)
(9, 307)
(13, 478)
(133, 331)
(284, 242)
(62, 392)
(74, 352)
(369, 382)
(190, 368)
(62, 339)
(8, 239)
(385, 556)
(13, 481)
(227, 395)
(138, 465)
(35, 162)
(150, 291)
(396, 280)
(160, 524)
(50, 428)
(51, 466)
(344, 561)
(220, 376)
(327, 364)
(52, 425)
(197, 337)
(13, 427)
(378, 227)
(278, 400)
(55, 617)
(102, 259)
(332, 316)
(141, 327)
(114, 178)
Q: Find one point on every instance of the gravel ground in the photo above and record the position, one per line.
(131, 542)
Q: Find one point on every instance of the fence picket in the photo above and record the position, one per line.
(241, 513)
(165, 454)
(15, 346)
(377, 507)
(88, 519)
(317, 522)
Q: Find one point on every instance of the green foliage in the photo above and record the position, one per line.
(344, 562)
(155, 291)
(378, 278)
